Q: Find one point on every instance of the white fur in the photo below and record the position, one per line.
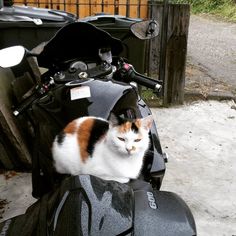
(110, 160)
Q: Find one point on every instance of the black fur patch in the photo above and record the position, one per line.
(99, 129)
(122, 121)
(134, 127)
(60, 137)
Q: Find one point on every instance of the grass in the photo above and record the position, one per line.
(152, 99)
(225, 9)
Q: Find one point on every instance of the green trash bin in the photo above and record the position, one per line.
(119, 27)
(30, 26)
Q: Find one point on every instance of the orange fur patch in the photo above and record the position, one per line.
(83, 136)
(138, 123)
(70, 128)
(125, 127)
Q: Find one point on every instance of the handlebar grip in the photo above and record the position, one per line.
(145, 81)
(25, 104)
(36, 93)
(128, 73)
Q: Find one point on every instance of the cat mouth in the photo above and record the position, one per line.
(129, 154)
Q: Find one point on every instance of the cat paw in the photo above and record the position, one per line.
(122, 180)
(117, 179)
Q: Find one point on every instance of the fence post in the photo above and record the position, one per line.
(170, 55)
(176, 53)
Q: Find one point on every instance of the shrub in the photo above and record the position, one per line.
(224, 8)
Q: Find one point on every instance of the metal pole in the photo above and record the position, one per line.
(127, 8)
(164, 34)
(1, 4)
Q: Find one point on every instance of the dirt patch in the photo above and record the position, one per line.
(198, 81)
(9, 174)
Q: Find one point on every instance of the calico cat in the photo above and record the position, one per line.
(111, 150)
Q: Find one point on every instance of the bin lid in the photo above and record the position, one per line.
(107, 20)
(33, 14)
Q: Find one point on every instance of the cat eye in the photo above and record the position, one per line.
(121, 139)
(137, 140)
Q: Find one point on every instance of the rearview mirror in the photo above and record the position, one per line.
(11, 56)
(145, 29)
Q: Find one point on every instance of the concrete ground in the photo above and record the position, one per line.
(15, 194)
(200, 139)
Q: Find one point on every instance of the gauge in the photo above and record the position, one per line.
(77, 65)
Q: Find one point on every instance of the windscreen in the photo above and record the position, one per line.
(77, 40)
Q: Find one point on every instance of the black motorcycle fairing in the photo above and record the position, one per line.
(87, 205)
(82, 205)
(82, 41)
(154, 164)
(100, 204)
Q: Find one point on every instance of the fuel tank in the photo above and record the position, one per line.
(94, 98)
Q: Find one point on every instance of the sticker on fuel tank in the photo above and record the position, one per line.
(151, 200)
(80, 92)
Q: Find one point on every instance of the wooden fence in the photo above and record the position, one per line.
(83, 8)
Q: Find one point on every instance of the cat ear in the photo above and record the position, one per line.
(147, 122)
(113, 119)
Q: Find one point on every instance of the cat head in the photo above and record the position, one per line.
(129, 136)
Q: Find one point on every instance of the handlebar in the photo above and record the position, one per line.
(145, 81)
(37, 92)
(128, 73)
(125, 72)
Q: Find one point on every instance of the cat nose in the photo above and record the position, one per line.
(129, 149)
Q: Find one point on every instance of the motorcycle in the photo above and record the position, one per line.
(86, 76)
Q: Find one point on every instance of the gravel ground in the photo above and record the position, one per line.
(211, 56)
